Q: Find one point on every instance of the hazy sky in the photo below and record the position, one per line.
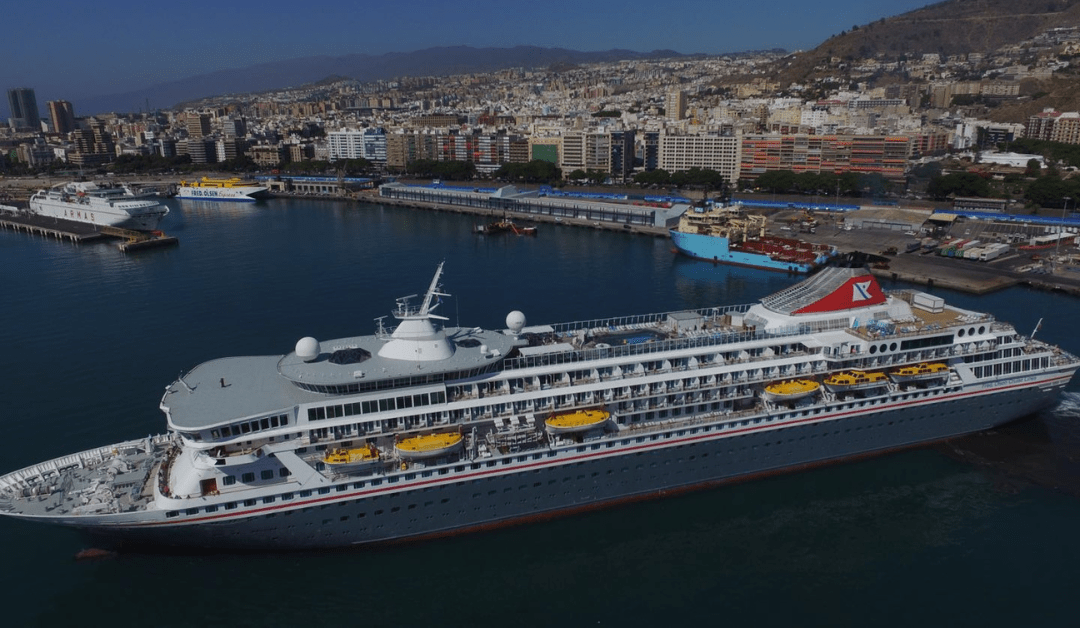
(66, 49)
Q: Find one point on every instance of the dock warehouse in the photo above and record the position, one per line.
(510, 198)
(889, 218)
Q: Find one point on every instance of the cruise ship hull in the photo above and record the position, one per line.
(716, 249)
(683, 397)
(583, 478)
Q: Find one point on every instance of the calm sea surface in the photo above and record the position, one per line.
(981, 531)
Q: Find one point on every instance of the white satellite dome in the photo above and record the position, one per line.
(307, 349)
(515, 321)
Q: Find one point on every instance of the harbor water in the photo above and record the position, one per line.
(976, 531)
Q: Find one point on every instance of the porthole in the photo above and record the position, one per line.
(873, 348)
(982, 330)
(960, 333)
(971, 332)
(892, 347)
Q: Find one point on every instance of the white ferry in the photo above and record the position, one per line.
(211, 189)
(428, 430)
(111, 205)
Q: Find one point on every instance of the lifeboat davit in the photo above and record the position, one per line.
(428, 445)
(341, 456)
(927, 371)
(791, 389)
(848, 381)
(576, 421)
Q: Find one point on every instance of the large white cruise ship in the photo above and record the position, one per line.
(428, 430)
(112, 205)
(210, 189)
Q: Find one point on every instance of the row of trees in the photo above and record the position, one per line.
(959, 184)
(1048, 190)
(1069, 154)
(694, 177)
(535, 171)
(450, 170)
(822, 183)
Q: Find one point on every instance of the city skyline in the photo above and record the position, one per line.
(130, 46)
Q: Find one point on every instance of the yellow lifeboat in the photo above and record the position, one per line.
(576, 421)
(847, 381)
(791, 389)
(926, 371)
(341, 456)
(428, 445)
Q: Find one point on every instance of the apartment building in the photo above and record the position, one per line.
(863, 154)
(367, 144)
(719, 152)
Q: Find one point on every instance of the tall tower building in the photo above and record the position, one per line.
(198, 125)
(675, 105)
(63, 116)
(24, 110)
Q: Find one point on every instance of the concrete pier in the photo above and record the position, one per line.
(58, 228)
(80, 232)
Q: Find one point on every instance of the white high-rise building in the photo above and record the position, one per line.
(367, 144)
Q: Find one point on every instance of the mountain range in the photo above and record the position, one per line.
(949, 27)
(946, 28)
(443, 61)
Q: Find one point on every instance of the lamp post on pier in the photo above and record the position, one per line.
(1061, 232)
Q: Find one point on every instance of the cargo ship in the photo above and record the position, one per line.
(723, 233)
(427, 430)
(211, 189)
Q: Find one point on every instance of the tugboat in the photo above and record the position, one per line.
(504, 226)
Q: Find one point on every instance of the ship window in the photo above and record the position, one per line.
(248, 477)
(267, 474)
(214, 433)
(192, 511)
(873, 348)
(249, 502)
(229, 480)
(211, 509)
(268, 500)
(172, 513)
(892, 347)
(283, 472)
(287, 496)
(273, 421)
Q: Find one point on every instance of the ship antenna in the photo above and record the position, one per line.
(1037, 326)
(432, 291)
